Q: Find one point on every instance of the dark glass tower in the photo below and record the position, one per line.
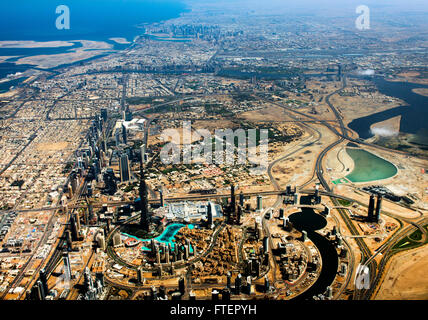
(124, 168)
(232, 198)
(378, 208)
(144, 220)
(371, 208)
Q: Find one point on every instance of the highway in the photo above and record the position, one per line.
(342, 136)
(386, 252)
(365, 251)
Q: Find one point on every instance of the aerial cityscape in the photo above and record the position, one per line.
(214, 150)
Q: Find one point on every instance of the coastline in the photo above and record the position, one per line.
(20, 57)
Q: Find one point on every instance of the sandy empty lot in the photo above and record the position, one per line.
(421, 91)
(271, 113)
(406, 276)
(52, 146)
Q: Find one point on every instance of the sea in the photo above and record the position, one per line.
(97, 20)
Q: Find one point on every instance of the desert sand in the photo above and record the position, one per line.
(406, 276)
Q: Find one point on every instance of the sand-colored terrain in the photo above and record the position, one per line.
(89, 50)
(411, 76)
(8, 94)
(120, 40)
(406, 276)
(4, 58)
(389, 127)
(298, 167)
(271, 113)
(212, 125)
(353, 107)
(408, 74)
(35, 44)
(52, 146)
(421, 91)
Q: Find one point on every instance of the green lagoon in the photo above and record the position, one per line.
(369, 167)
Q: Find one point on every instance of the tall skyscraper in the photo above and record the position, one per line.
(104, 114)
(181, 285)
(67, 266)
(143, 152)
(267, 285)
(144, 220)
(44, 281)
(117, 137)
(265, 244)
(110, 181)
(140, 275)
(125, 174)
(209, 215)
(238, 283)
(232, 198)
(259, 203)
(41, 294)
(162, 202)
(73, 228)
(378, 208)
(370, 215)
(124, 134)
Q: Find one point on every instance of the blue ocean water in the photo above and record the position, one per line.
(89, 19)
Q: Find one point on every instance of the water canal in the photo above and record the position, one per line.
(310, 221)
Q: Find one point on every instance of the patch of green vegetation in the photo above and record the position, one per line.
(160, 109)
(345, 203)
(147, 100)
(417, 235)
(242, 96)
(169, 170)
(217, 109)
(403, 147)
(411, 241)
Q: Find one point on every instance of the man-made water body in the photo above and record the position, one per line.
(309, 221)
(369, 167)
(413, 117)
(167, 236)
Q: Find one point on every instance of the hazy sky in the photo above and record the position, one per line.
(319, 5)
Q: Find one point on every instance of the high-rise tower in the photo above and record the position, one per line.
(144, 220)
(378, 208)
(125, 174)
(371, 208)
